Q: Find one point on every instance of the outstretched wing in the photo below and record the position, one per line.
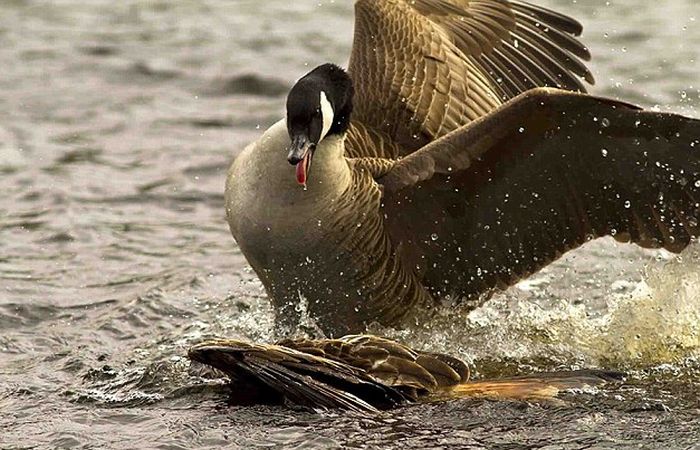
(423, 68)
(501, 198)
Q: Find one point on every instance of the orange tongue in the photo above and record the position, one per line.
(301, 170)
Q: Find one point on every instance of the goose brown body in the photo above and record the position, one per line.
(458, 173)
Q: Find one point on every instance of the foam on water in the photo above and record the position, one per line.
(660, 321)
(655, 322)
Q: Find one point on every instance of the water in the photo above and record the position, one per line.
(117, 123)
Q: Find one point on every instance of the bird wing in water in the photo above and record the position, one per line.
(279, 374)
(423, 68)
(352, 373)
(501, 198)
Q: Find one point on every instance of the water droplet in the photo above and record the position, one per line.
(628, 204)
(604, 152)
(605, 123)
(434, 236)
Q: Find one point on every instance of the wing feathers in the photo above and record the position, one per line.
(297, 377)
(423, 68)
(557, 37)
(551, 18)
(573, 165)
(289, 373)
(554, 54)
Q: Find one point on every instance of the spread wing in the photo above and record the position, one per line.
(423, 68)
(501, 198)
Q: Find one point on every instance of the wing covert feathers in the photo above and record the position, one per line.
(423, 68)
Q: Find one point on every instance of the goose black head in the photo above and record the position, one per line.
(319, 105)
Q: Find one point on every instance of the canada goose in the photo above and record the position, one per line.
(440, 169)
(366, 373)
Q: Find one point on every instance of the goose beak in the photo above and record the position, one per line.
(300, 155)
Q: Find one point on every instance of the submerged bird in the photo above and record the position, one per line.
(439, 165)
(367, 373)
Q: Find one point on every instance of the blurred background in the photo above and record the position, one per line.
(118, 121)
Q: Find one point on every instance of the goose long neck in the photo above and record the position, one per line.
(330, 174)
(277, 193)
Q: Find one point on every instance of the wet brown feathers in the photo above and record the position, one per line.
(366, 373)
(512, 187)
(468, 208)
(424, 68)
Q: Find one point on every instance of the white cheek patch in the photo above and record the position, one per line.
(326, 114)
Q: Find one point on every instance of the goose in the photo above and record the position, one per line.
(456, 155)
(366, 373)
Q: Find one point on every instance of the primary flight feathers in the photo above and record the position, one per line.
(424, 68)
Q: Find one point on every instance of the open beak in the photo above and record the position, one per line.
(300, 155)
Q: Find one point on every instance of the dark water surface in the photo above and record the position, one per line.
(117, 123)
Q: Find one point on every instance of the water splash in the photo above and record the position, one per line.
(656, 322)
(660, 321)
